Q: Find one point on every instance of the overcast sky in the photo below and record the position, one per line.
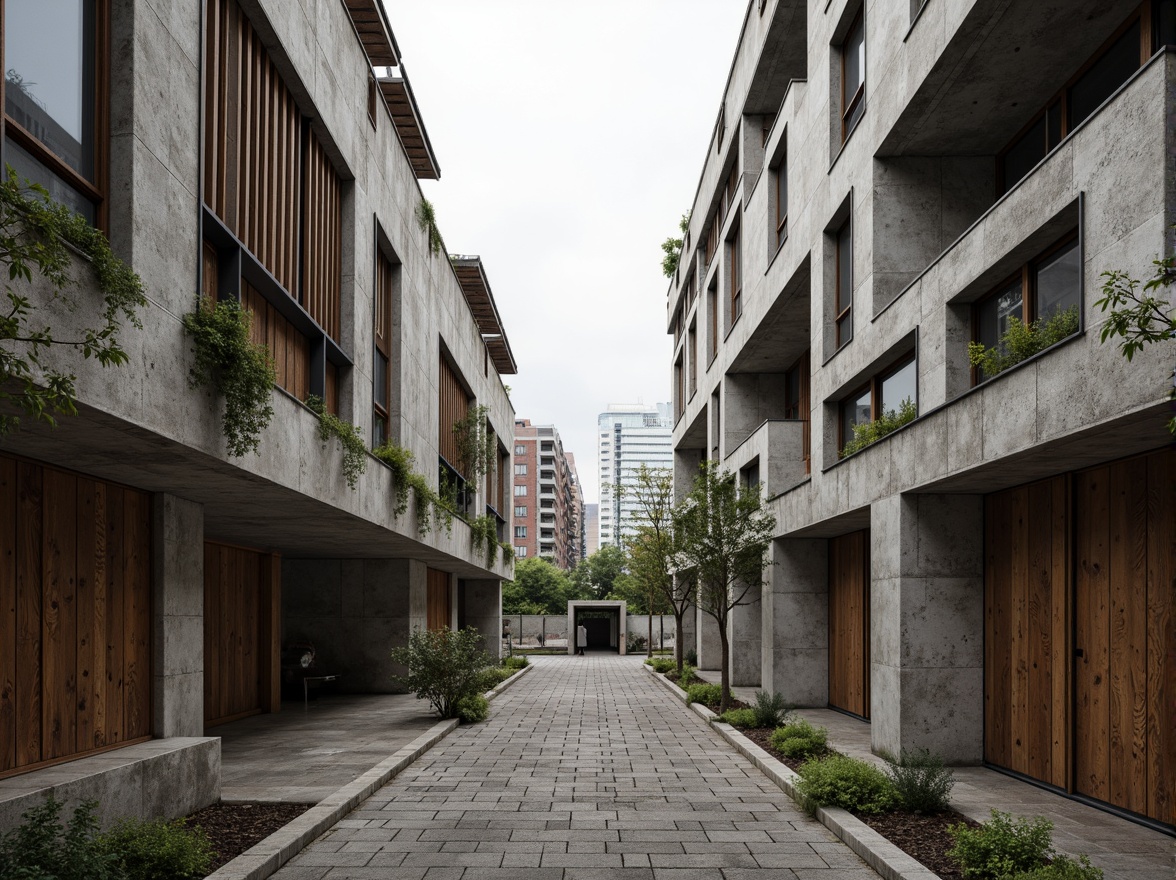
(570, 138)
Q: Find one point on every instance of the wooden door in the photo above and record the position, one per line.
(849, 623)
(438, 609)
(1124, 643)
(241, 605)
(1026, 666)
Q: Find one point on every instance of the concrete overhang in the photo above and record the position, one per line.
(371, 24)
(406, 117)
(471, 274)
(783, 334)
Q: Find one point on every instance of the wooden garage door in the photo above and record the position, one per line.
(1026, 670)
(75, 615)
(438, 609)
(240, 632)
(849, 623)
(1124, 622)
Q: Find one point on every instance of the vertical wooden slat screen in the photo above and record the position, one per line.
(1026, 585)
(75, 615)
(383, 316)
(331, 389)
(454, 405)
(251, 143)
(322, 238)
(849, 623)
(438, 609)
(289, 348)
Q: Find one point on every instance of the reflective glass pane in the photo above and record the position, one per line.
(380, 392)
(1059, 282)
(855, 411)
(1104, 76)
(49, 63)
(1024, 155)
(995, 313)
(60, 191)
(855, 59)
(844, 268)
(899, 386)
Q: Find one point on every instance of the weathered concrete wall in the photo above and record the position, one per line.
(746, 631)
(795, 622)
(479, 604)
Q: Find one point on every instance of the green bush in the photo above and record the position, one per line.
(920, 779)
(839, 781)
(770, 709)
(1063, 868)
(473, 709)
(41, 848)
(1001, 846)
(662, 664)
(1021, 341)
(158, 850)
(707, 694)
(691, 657)
(493, 677)
(687, 677)
(887, 423)
(518, 661)
(444, 667)
(739, 718)
(800, 740)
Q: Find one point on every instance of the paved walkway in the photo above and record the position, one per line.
(587, 768)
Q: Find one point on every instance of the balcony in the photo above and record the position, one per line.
(778, 446)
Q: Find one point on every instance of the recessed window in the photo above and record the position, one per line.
(520, 469)
(520, 491)
(712, 310)
(373, 100)
(382, 345)
(520, 450)
(843, 306)
(780, 174)
(520, 552)
(521, 511)
(735, 275)
(520, 531)
(853, 75)
(884, 395)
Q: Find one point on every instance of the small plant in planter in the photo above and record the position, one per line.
(887, 423)
(1002, 846)
(800, 741)
(770, 709)
(707, 694)
(739, 718)
(849, 783)
(921, 780)
(444, 667)
(1021, 341)
(42, 848)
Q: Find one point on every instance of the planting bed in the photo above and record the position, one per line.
(234, 828)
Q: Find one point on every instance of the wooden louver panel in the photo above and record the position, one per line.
(454, 405)
(322, 238)
(849, 623)
(289, 349)
(252, 143)
(75, 615)
(438, 609)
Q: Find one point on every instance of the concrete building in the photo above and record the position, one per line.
(629, 435)
(151, 585)
(591, 529)
(546, 507)
(576, 520)
(884, 184)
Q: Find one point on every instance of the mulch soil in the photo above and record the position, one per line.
(234, 828)
(922, 837)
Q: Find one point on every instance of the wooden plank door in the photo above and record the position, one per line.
(849, 623)
(236, 671)
(438, 608)
(1125, 723)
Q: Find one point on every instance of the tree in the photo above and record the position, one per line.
(651, 549)
(723, 538)
(538, 588)
(595, 576)
(672, 247)
(645, 577)
(38, 234)
(1137, 315)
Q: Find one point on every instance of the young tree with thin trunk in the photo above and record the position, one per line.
(723, 537)
(652, 550)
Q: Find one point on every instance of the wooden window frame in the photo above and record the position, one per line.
(373, 101)
(874, 386)
(382, 335)
(1145, 14)
(712, 308)
(802, 368)
(843, 314)
(679, 387)
(93, 191)
(735, 276)
(849, 105)
(780, 176)
(692, 358)
(1027, 275)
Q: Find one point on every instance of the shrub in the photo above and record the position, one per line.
(800, 740)
(887, 423)
(493, 677)
(838, 781)
(518, 661)
(443, 667)
(41, 848)
(1001, 846)
(158, 850)
(1021, 341)
(1062, 868)
(636, 644)
(739, 718)
(770, 709)
(920, 780)
(473, 709)
(687, 677)
(662, 664)
(707, 694)
(691, 657)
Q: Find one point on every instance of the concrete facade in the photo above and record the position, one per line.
(353, 571)
(916, 180)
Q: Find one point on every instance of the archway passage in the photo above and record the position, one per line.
(604, 623)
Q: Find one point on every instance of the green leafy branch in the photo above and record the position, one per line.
(1021, 341)
(477, 450)
(37, 233)
(887, 423)
(427, 220)
(354, 448)
(430, 507)
(672, 248)
(484, 533)
(234, 367)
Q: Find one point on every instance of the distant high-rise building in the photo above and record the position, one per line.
(576, 520)
(628, 436)
(591, 529)
(546, 517)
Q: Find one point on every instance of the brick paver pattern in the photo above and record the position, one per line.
(587, 768)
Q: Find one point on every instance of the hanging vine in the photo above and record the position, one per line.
(354, 449)
(429, 506)
(484, 534)
(476, 446)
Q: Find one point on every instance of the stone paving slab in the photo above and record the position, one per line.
(586, 769)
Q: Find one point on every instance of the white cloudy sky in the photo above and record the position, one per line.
(570, 137)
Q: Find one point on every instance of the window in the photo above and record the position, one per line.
(853, 75)
(712, 240)
(843, 310)
(520, 552)
(55, 99)
(735, 279)
(382, 345)
(692, 356)
(1045, 287)
(520, 469)
(679, 389)
(796, 402)
(520, 531)
(520, 450)
(373, 100)
(712, 310)
(520, 491)
(885, 393)
(781, 176)
(521, 510)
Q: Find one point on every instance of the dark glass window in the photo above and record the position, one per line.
(994, 313)
(1058, 282)
(855, 411)
(781, 202)
(1164, 26)
(844, 304)
(899, 386)
(736, 278)
(853, 75)
(1022, 156)
(792, 394)
(1104, 76)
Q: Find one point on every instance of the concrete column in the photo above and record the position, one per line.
(746, 634)
(707, 643)
(795, 622)
(927, 625)
(481, 604)
(177, 566)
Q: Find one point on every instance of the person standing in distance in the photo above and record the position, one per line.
(581, 639)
